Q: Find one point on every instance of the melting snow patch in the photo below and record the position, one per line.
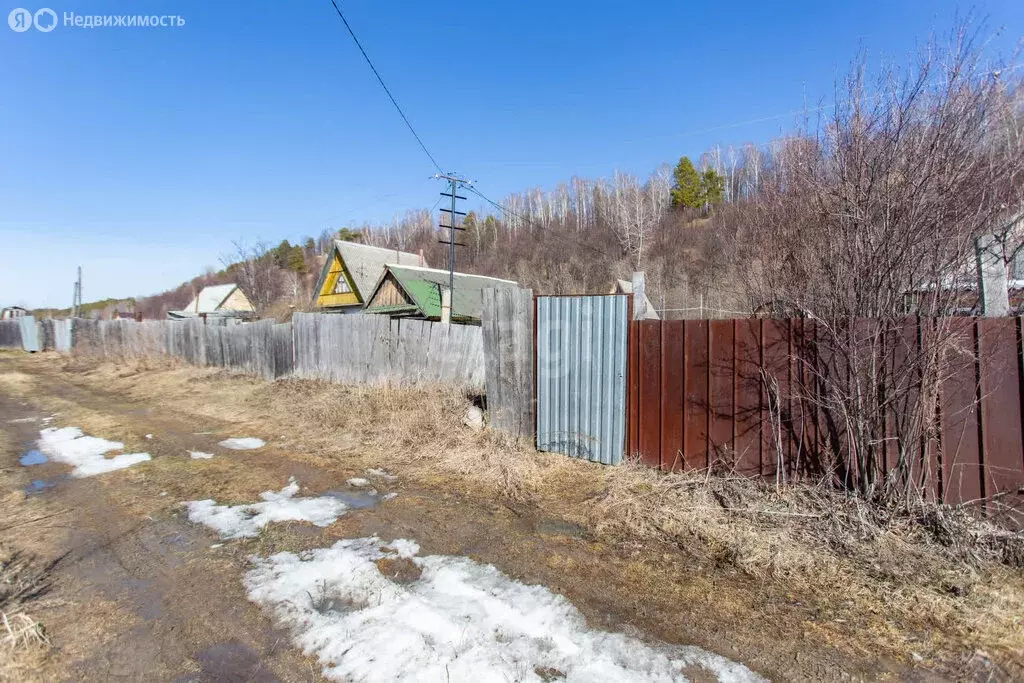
(199, 455)
(245, 521)
(243, 444)
(458, 621)
(358, 482)
(85, 453)
(381, 474)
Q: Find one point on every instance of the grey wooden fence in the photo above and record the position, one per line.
(376, 350)
(507, 327)
(10, 334)
(350, 349)
(252, 348)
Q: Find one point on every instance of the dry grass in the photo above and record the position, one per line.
(939, 571)
(937, 567)
(937, 580)
(23, 642)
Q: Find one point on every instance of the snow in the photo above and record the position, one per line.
(459, 621)
(199, 455)
(358, 482)
(381, 474)
(246, 521)
(149, 436)
(243, 443)
(86, 453)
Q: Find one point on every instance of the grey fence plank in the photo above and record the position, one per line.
(10, 334)
(507, 341)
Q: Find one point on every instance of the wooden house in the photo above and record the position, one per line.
(12, 312)
(350, 273)
(227, 301)
(412, 292)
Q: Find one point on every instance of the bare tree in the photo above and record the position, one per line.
(257, 274)
(872, 219)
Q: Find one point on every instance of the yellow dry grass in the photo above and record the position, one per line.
(880, 579)
(24, 645)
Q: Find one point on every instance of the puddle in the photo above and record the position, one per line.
(148, 602)
(232, 661)
(38, 486)
(357, 500)
(32, 457)
(558, 527)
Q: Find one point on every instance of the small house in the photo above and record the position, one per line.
(226, 301)
(12, 312)
(412, 292)
(350, 273)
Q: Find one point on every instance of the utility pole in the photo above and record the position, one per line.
(454, 183)
(76, 300)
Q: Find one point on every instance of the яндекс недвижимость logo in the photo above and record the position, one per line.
(45, 20)
(21, 20)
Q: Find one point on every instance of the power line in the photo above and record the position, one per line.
(388, 91)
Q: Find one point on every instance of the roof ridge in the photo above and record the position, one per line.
(374, 247)
(457, 272)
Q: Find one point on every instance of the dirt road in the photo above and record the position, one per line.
(140, 593)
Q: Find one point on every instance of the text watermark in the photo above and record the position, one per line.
(45, 20)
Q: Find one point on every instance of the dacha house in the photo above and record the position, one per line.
(350, 273)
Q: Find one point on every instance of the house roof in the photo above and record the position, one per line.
(210, 298)
(423, 286)
(365, 264)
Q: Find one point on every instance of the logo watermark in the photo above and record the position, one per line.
(45, 20)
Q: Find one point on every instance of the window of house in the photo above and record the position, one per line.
(341, 285)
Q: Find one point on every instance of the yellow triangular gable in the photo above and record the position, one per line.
(328, 296)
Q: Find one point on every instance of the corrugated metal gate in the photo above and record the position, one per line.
(581, 375)
(29, 333)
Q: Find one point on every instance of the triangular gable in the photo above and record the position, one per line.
(336, 285)
(236, 301)
(391, 296)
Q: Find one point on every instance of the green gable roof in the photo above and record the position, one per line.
(423, 286)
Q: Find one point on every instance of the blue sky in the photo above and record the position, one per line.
(142, 153)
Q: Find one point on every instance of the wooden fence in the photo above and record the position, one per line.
(378, 350)
(350, 349)
(723, 393)
(10, 334)
(508, 336)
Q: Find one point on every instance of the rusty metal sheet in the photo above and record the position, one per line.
(748, 397)
(673, 389)
(721, 366)
(695, 424)
(650, 392)
(960, 448)
(777, 417)
(999, 363)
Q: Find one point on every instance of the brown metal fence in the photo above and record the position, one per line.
(722, 394)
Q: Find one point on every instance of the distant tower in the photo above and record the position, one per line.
(76, 301)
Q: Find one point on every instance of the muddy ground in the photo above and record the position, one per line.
(139, 593)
